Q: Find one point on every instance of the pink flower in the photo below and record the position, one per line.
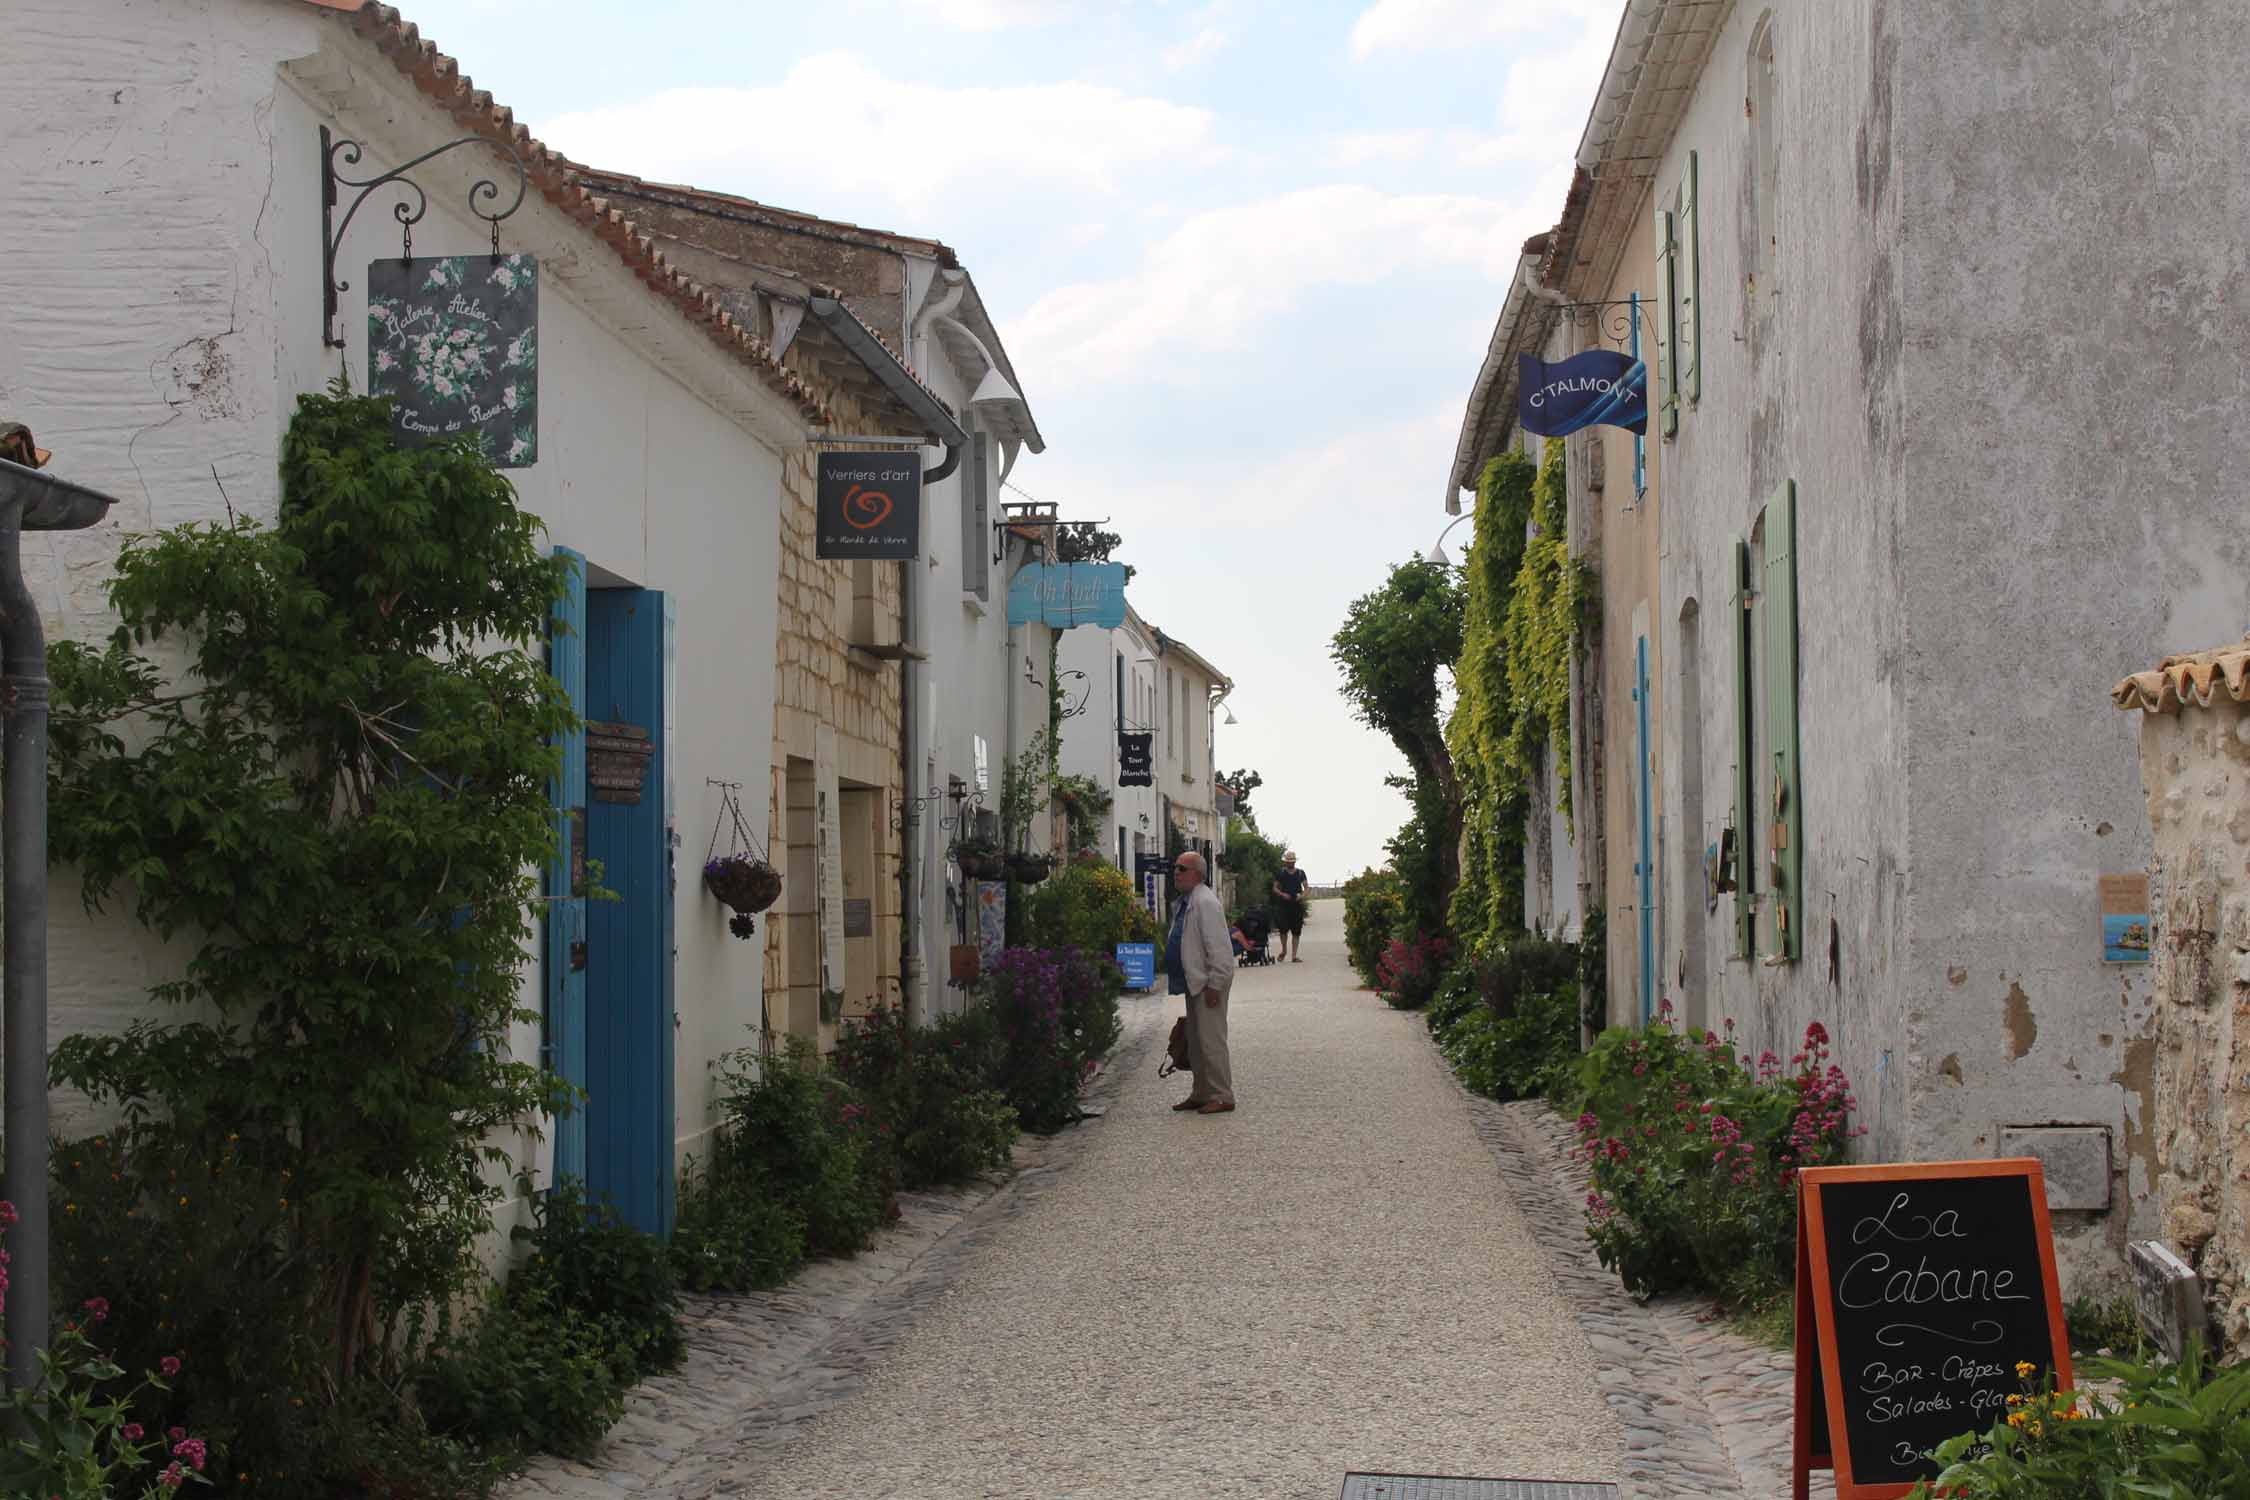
(170, 1366)
(99, 1307)
(192, 1450)
(173, 1477)
(132, 1432)
(176, 1434)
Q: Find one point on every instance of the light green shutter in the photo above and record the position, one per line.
(1690, 276)
(1667, 324)
(1745, 780)
(1786, 841)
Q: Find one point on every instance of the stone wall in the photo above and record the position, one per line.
(2195, 767)
(826, 684)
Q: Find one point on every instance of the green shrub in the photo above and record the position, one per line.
(1374, 906)
(1456, 996)
(729, 1236)
(586, 1257)
(1520, 1056)
(791, 1131)
(531, 1376)
(1409, 971)
(2165, 1432)
(1695, 1156)
(1252, 863)
(1088, 903)
(2108, 1323)
(927, 1099)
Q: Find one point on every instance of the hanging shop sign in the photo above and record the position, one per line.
(1923, 1290)
(868, 507)
(1135, 759)
(453, 340)
(1598, 388)
(1066, 594)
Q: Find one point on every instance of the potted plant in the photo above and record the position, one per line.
(1028, 869)
(744, 882)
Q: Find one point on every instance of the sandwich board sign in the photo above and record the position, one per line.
(1920, 1287)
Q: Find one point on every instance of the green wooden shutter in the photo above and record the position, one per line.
(1785, 872)
(1745, 779)
(1691, 289)
(1667, 325)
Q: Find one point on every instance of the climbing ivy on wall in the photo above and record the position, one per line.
(1523, 596)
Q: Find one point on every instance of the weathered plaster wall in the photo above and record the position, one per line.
(2074, 340)
(2195, 769)
(159, 314)
(1800, 381)
(1090, 740)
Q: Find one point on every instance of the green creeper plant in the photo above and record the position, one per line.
(339, 799)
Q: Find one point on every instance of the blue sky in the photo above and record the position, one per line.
(1245, 255)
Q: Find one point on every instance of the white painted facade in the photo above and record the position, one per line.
(160, 311)
(1122, 680)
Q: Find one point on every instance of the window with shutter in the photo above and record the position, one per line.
(1785, 839)
(1745, 761)
(976, 512)
(1640, 441)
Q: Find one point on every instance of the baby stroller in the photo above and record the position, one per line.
(1254, 928)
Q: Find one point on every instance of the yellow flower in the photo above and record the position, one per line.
(2015, 1400)
(2037, 1430)
(2024, 1367)
(2017, 1418)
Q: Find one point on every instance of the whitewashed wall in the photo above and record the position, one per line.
(160, 312)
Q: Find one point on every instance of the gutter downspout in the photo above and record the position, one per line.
(35, 501)
(918, 817)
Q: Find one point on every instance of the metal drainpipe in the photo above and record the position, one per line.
(30, 499)
(913, 966)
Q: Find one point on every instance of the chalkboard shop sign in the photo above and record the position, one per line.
(1920, 1288)
(453, 340)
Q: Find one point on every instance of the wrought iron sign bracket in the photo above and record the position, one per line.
(408, 212)
(1611, 321)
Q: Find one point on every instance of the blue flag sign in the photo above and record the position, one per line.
(1598, 388)
(1067, 594)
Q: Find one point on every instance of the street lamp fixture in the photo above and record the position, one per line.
(1436, 557)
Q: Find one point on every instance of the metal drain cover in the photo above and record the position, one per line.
(1439, 1487)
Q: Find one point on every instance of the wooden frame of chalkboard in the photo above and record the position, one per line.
(1930, 1281)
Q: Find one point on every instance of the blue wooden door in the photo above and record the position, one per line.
(566, 877)
(629, 940)
(1644, 867)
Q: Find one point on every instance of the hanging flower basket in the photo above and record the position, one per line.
(980, 861)
(746, 883)
(1027, 869)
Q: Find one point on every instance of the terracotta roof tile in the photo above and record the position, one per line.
(2196, 677)
(440, 77)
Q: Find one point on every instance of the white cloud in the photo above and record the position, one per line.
(1362, 147)
(1200, 48)
(991, 15)
(870, 134)
(1222, 273)
(1420, 25)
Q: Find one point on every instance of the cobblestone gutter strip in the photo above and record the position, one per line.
(1706, 1412)
(759, 1367)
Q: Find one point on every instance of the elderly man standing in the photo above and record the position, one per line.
(1199, 961)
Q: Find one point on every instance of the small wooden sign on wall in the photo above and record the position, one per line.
(617, 760)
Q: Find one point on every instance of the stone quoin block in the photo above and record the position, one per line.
(2074, 1158)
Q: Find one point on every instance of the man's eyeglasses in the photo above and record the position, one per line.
(1177, 868)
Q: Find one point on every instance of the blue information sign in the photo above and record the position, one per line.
(1138, 960)
(1067, 594)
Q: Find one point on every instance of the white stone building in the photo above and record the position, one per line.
(161, 309)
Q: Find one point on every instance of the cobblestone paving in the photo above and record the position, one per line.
(1706, 1411)
(1365, 1267)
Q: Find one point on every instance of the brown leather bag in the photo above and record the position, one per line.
(1175, 1052)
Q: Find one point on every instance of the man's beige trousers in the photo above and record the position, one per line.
(1207, 1050)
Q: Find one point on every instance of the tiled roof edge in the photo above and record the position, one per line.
(440, 78)
(2197, 677)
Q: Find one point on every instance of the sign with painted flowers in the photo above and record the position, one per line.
(453, 340)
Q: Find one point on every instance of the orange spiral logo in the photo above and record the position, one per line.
(864, 509)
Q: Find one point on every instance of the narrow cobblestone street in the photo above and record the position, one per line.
(1332, 1278)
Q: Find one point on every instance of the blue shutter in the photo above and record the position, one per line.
(566, 875)
(1667, 384)
(976, 517)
